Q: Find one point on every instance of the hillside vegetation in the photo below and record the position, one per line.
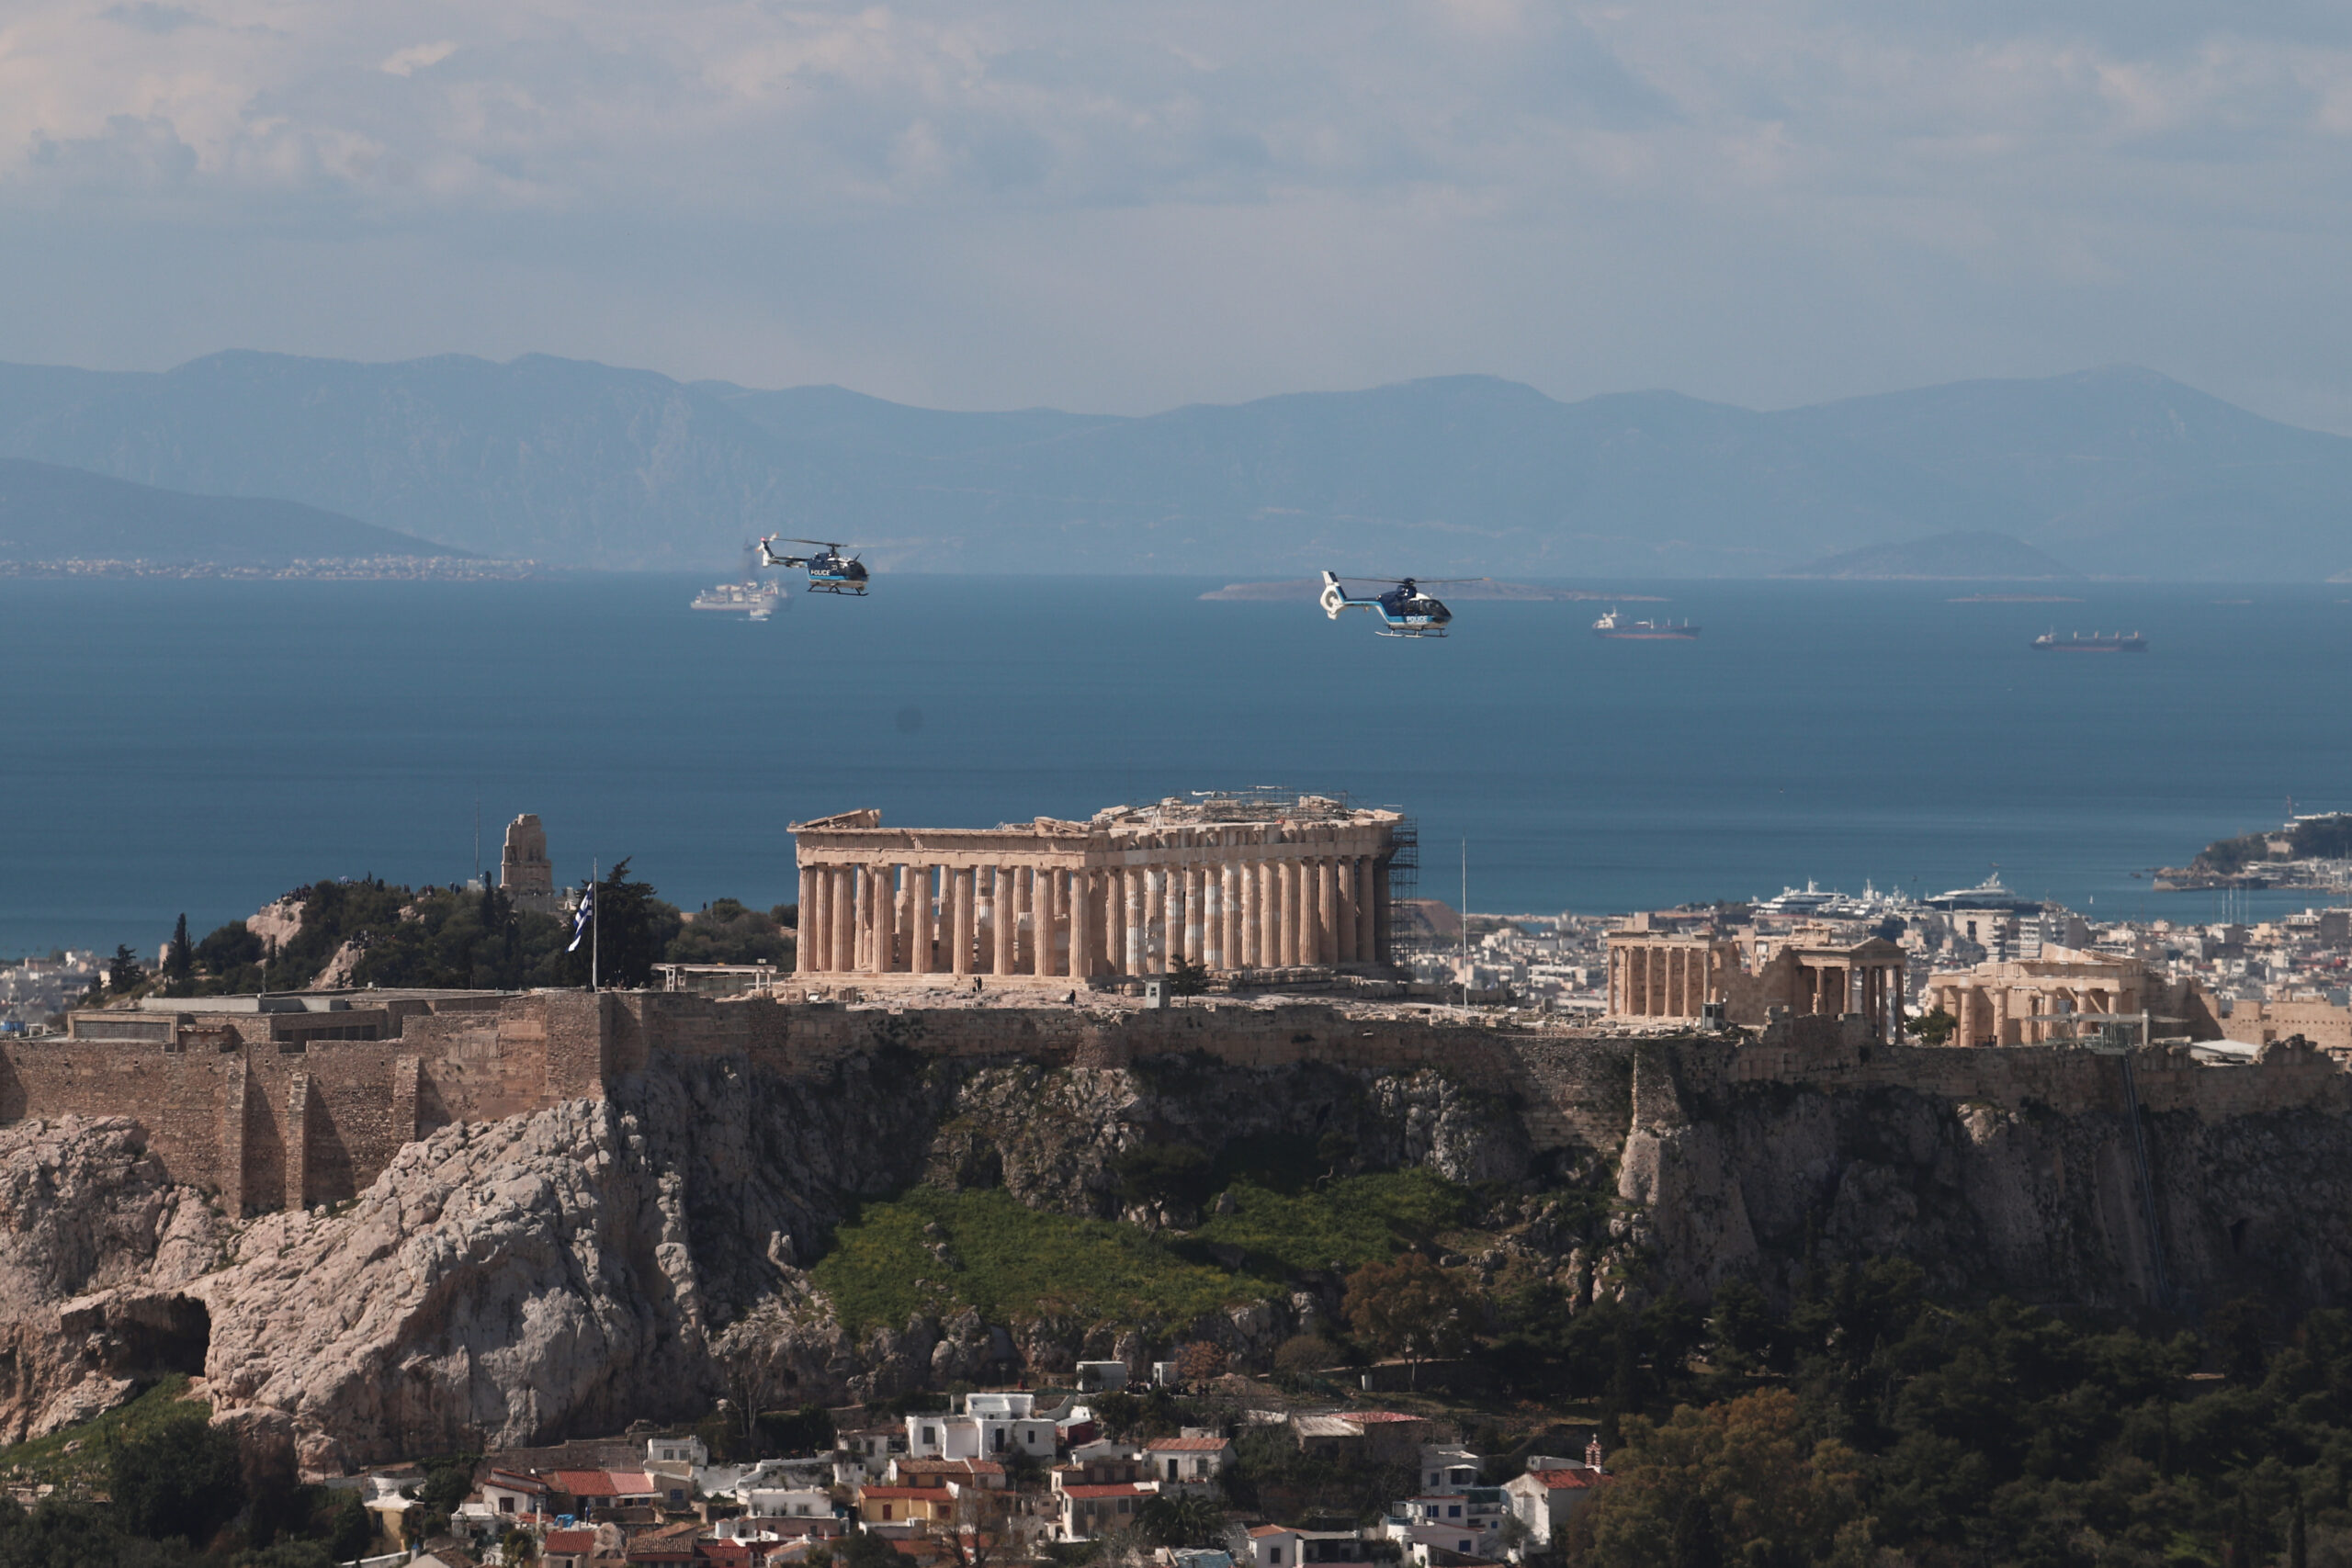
(371, 932)
(938, 1252)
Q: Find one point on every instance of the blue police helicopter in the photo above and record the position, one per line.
(830, 572)
(1403, 610)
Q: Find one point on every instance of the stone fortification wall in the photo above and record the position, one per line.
(267, 1123)
(1834, 1054)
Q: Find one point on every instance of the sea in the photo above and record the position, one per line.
(201, 747)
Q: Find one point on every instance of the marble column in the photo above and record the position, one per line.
(879, 924)
(1245, 894)
(1025, 921)
(1367, 949)
(902, 920)
(1344, 937)
(803, 947)
(1196, 918)
(1045, 959)
(1133, 953)
(1216, 889)
(1155, 920)
(845, 918)
(914, 899)
(1253, 914)
(861, 919)
(1008, 922)
(1327, 910)
(983, 919)
(817, 918)
(1233, 889)
(1310, 912)
(1282, 898)
(1081, 925)
(960, 922)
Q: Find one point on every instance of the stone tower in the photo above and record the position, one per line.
(524, 873)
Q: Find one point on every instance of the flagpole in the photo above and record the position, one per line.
(595, 921)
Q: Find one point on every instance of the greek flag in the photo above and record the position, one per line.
(579, 920)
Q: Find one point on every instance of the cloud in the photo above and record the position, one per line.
(1759, 200)
(149, 17)
(416, 57)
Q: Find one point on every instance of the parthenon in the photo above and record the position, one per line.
(1226, 883)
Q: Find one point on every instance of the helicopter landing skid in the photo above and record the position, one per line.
(836, 588)
(1415, 636)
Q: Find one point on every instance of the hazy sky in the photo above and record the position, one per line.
(1118, 205)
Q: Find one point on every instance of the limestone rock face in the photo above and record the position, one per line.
(564, 1273)
(567, 1271)
(93, 1244)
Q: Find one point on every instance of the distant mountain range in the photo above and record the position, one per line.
(53, 514)
(2114, 472)
(1966, 557)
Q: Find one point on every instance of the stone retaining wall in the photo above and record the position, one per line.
(267, 1126)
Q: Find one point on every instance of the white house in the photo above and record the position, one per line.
(1448, 1467)
(785, 1502)
(1191, 1463)
(509, 1494)
(1542, 1499)
(1090, 1511)
(992, 1426)
(1101, 1376)
(1468, 1522)
(1277, 1546)
(688, 1450)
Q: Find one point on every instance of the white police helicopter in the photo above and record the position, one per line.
(1403, 610)
(830, 572)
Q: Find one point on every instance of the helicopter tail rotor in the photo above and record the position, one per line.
(1334, 598)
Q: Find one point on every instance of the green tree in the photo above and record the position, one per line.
(58, 1534)
(124, 975)
(286, 1554)
(634, 928)
(179, 1478)
(226, 954)
(1161, 1173)
(1933, 1028)
(1180, 1520)
(1734, 1482)
(725, 932)
(180, 960)
(1410, 1308)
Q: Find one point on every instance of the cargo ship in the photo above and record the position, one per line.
(2098, 642)
(1617, 627)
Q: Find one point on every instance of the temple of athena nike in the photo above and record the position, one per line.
(1225, 882)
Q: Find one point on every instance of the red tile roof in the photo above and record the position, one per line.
(572, 1541)
(1114, 1489)
(1555, 1480)
(605, 1483)
(918, 1494)
(516, 1481)
(1256, 1530)
(1360, 1417)
(1187, 1445)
